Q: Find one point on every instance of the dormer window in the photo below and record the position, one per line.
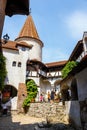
(14, 63)
(19, 64)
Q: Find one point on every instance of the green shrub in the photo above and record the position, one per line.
(68, 67)
(3, 71)
(31, 92)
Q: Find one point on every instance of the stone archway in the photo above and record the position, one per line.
(38, 88)
(8, 92)
(74, 91)
(27, 80)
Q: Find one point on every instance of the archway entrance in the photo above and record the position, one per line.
(8, 92)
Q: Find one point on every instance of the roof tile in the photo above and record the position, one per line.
(52, 64)
(13, 45)
(29, 29)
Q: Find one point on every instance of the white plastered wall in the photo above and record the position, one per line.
(16, 74)
(36, 50)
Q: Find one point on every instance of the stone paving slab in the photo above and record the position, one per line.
(25, 122)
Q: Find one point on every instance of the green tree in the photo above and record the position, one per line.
(3, 71)
(31, 92)
(68, 67)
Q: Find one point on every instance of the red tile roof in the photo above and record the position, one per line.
(10, 45)
(37, 61)
(29, 29)
(23, 44)
(53, 64)
(13, 45)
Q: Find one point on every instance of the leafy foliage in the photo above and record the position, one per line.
(31, 92)
(3, 71)
(69, 66)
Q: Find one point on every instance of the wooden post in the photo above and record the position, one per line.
(2, 17)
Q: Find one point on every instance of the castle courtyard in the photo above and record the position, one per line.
(25, 122)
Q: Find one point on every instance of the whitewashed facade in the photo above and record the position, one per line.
(24, 62)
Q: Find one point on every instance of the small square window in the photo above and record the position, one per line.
(14, 63)
(19, 64)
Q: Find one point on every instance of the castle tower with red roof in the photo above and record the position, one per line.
(30, 35)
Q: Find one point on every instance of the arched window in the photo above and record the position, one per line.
(19, 64)
(14, 63)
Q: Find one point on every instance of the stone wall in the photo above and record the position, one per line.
(47, 110)
(55, 113)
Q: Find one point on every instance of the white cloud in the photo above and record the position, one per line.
(77, 23)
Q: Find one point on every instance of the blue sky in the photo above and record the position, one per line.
(60, 25)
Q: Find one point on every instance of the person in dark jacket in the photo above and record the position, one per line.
(52, 95)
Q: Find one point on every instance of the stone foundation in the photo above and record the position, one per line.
(51, 111)
(45, 109)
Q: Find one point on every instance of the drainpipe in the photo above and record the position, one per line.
(2, 17)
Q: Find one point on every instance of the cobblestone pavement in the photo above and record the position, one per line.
(24, 122)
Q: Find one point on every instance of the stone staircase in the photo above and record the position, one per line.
(54, 116)
(53, 112)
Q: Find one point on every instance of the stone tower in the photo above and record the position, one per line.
(29, 35)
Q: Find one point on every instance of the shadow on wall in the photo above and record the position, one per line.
(73, 106)
(83, 109)
(73, 111)
(74, 91)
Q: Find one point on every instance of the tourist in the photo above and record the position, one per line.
(41, 98)
(48, 96)
(52, 95)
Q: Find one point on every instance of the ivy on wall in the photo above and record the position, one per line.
(68, 67)
(3, 71)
